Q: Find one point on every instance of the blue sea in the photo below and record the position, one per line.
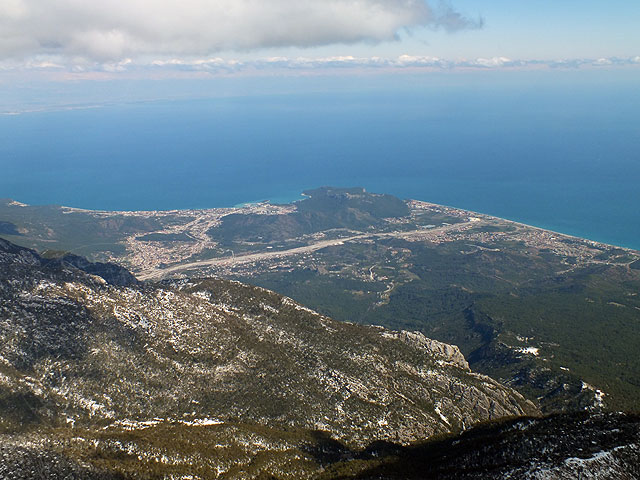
(560, 156)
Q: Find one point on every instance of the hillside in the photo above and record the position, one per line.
(163, 368)
(558, 447)
(324, 208)
(556, 317)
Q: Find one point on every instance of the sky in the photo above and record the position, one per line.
(45, 44)
(116, 34)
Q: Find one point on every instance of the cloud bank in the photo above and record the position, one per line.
(215, 66)
(112, 30)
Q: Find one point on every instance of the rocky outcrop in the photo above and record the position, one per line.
(96, 353)
(580, 445)
(451, 352)
(13, 256)
(110, 272)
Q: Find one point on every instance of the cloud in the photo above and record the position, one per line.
(452, 20)
(216, 66)
(493, 62)
(603, 62)
(111, 30)
(348, 62)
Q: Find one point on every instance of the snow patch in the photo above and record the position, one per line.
(4, 379)
(201, 422)
(528, 350)
(441, 415)
(287, 301)
(598, 395)
(135, 425)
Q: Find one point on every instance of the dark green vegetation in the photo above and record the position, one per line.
(325, 208)
(584, 324)
(8, 228)
(112, 273)
(80, 231)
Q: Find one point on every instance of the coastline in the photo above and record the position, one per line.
(536, 227)
(291, 199)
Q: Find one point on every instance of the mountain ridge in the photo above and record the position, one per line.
(80, 354)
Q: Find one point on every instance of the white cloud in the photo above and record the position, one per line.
(13, 9)
(420, 61)
(110, 30)
(214, 65)
(603, 62)
(490, 62)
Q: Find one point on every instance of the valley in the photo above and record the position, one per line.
(556, 317)
(444, 319)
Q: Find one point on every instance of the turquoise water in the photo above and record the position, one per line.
(564, 158)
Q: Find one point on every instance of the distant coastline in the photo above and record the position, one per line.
(595, 237)
(289, 199)
(277, 200)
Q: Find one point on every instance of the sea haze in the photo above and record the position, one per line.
(562, 157)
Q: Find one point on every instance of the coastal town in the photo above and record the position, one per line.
(175, 243)
(185, 247)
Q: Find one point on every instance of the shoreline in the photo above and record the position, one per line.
(528, 225)
(301, 196)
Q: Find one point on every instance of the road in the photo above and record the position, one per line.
(157, 273)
